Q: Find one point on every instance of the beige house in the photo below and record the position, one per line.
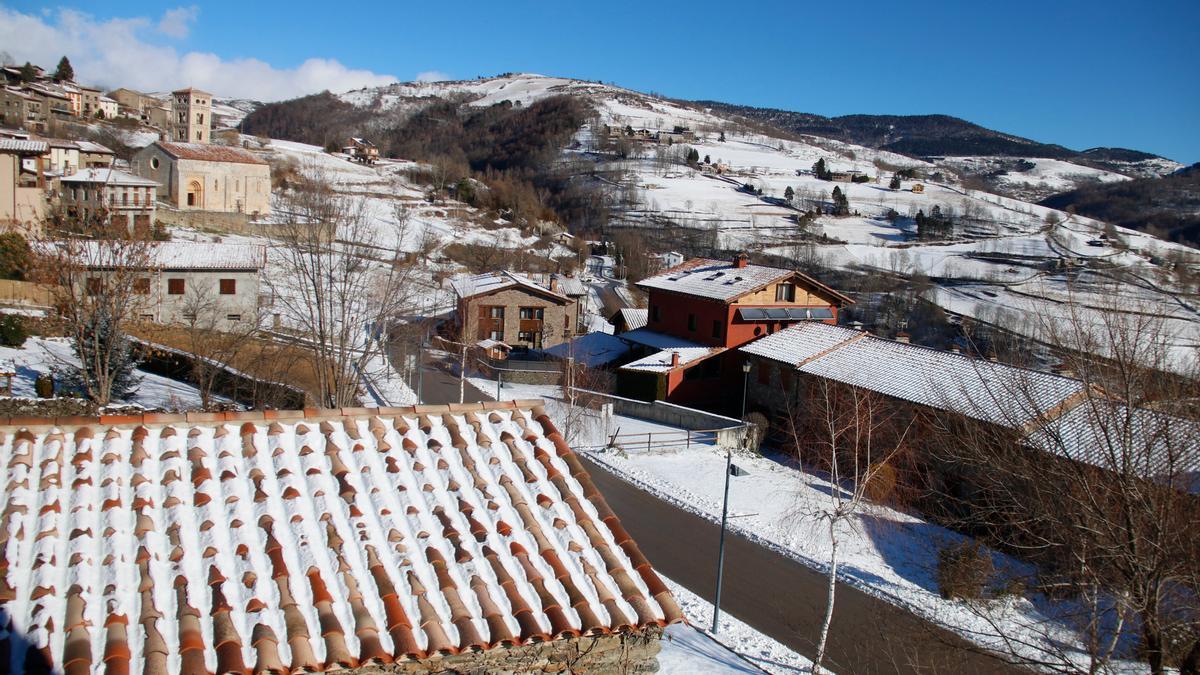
(216, 285)
(129, 199)
(133, 103)
(191, 116)
(203, 177)
(94, 156)
(22, 109)
(513, 309)
(107, 107)
(22, 193)
(63, 158)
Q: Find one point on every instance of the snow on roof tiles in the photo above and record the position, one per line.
(24, 146)
(570, 286)
(667, 345)
(469, 285)
(980, 389)
(635, 318)
(187, 255)
(108, 176)
(308, 540)
(716, 279)
(209, 153)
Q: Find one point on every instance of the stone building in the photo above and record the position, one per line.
(513, 309)
(21, 110)
(191, 116)
(204, 177)
(128, 199)
(397, 540)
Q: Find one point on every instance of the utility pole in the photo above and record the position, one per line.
(420, 371)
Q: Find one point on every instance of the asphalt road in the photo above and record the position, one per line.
(785, 599)
(438, 384)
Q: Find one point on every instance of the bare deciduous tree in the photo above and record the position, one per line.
(213, 341)
(343, 278)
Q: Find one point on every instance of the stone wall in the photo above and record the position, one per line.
(558, 322)
(729, 431)
(633, 652)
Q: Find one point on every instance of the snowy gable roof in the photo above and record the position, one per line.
(315, 540)
(108, 177)
(23, 146)
(209, 153)
(634, 318)
(177, 255)
(570, 286)
(470, 285)
(724, 280)
(668, 345)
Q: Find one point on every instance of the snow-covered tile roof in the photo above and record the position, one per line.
(92, 147)
(24, 146)
(182, 255)
(1106, 434)
(662, 361)
(302, 541)
(634, 318)
(798, 343)
(716, 279)
(984, 390)
(469, 285)
(571, 286)
(108, 176)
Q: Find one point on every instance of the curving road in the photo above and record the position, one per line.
(785, 599)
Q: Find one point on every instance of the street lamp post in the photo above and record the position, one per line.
(730, 471)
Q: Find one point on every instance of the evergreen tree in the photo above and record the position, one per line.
(788, 193)
(105, 345)
(841, 205)
(895, 182)
(821, 171)
(64, 72)
(707, 160)
(27, 72)
(693, 157)
(721, 138)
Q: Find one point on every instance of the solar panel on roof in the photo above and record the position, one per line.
(820, 313)
(777, 313)
(751, 314)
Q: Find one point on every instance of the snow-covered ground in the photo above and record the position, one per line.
(39, 355)
(736, 648)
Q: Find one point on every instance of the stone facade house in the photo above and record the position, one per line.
(94, 156)
(513, 309)
(204, 177)
(128, 199)
(465, 539)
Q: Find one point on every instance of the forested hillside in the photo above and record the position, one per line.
(1167, 207)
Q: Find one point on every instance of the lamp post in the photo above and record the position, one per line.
(730, 471)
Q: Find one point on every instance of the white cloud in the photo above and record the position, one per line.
(177, 23)
(431, 76)
(116, 53)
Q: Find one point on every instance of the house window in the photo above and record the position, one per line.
(153, 162)
(716, 328)
(496, 335)
(491, 312)
(530, 337)
(785, 293)
(228, 286)
(233, 317)
(141, 286)
(691, 322)
(95, 286)
(174, 286)
(532, 313)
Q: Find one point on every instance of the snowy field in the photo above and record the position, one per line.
(39, 355)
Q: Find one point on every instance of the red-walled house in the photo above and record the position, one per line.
(702, 308)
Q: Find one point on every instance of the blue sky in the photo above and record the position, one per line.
(1075, 73)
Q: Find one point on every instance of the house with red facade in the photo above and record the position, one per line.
(702, 309)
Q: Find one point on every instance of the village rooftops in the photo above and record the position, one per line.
(108, 177)
(471, 285)
(727, 281)
(93, 148)
(634, 318)
(309, 540)
(209, 153)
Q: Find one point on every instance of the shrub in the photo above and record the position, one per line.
(44, 386)
(12, 331)
(963, 571)
(14, 256)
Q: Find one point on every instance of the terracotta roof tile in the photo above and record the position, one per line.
(421, 537)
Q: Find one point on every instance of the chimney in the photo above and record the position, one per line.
(954, 348)
(553, 284)
(741, 260)
(674, 359)
(903, 337)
